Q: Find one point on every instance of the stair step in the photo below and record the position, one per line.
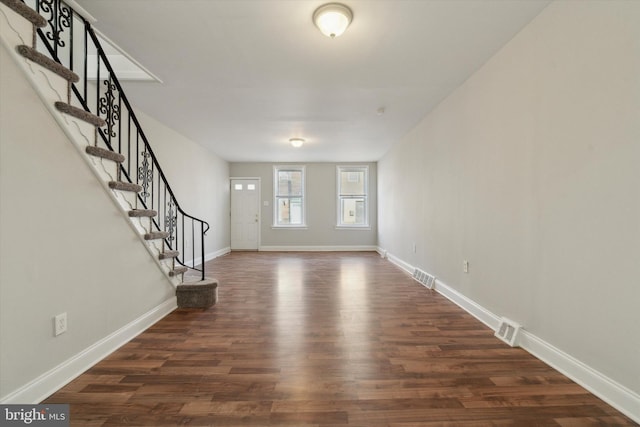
(156, 235)
(142, 213)
(202, 294)
(26, 12)
(104, 153)
(178, 270)
(48, 63)
(168, 254)
(79, 113)
(125, 186)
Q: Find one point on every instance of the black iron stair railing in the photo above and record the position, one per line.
(70, 40)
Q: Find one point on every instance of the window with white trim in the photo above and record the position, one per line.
(289, 203)
(353, 195)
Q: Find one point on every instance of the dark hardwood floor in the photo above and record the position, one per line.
(325, 339)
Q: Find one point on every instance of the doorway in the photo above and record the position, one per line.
(245, 214)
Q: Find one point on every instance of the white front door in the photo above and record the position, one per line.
(245, 213)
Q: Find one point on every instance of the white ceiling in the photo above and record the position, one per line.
(241, 77)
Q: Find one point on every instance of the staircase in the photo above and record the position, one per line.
(63, 59)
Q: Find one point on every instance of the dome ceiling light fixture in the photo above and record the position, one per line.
(332, 19)
(296, 142)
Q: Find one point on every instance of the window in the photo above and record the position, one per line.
(353, 190)
(288, 193)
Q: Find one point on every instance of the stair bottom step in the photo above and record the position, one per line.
(202, 294)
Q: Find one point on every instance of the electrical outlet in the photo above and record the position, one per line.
(414, 248)
(465, 266)
(60, 324)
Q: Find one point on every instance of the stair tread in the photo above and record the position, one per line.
(104, 153)
(156, 235)
(137, 213)
(79, 113)
(125, 186)
(48, 63)
(178, 270)
(26, 12)
(207, 282)
(169, 254)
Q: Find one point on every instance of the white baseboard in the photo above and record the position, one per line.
(382, 252)
(216, 254)
(620, 397)
(476, 310)
(400, 263)
(615, 394)
(473, 308)
(46, 384)
(346, 248)
(209, 256)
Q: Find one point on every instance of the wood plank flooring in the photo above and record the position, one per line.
(325, 339)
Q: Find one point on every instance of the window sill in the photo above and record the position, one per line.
(289, 227)
(353, 227)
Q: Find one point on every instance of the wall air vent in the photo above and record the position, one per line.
(424, 278)
(508, 331)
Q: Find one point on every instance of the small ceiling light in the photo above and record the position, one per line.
(296, 142)
(332, 19)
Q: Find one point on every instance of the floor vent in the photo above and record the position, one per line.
(425, 278)
(508, 331)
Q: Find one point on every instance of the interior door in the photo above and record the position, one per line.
(245, 214)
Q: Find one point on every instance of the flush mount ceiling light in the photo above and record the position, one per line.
(332, 19)
(296, 142)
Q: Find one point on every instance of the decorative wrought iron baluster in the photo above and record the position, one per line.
(48, 7)
(59, 18)
(145, 175)
(170, 221)
(108, 107)
(64, 21)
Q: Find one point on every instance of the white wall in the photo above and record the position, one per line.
(321, 216)
(530, 171)
(199, 179)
